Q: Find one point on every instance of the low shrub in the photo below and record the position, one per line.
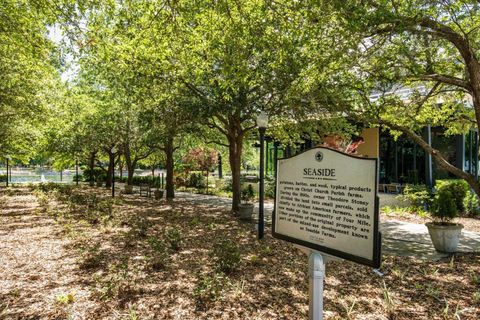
(471, 204)
(115, 284)
(417, 196)
(160, 258)
(93, 175)
(444, 206)
(141, 227)
(174, 237)
(270, 187)
(208, 289)
(43, 199)
(458, 189)
(137, 180)
(228, 185)
(92, 257)
(226, 256)
(247, 194)
(197, 180)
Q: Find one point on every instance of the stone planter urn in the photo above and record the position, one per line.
(245, 211)
(445, 237)
(158, 194)
(128, 189)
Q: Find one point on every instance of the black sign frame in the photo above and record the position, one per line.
(377, 237)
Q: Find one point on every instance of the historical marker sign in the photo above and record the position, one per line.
(327, 200)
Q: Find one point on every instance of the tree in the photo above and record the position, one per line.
(29, 77)
(223, 55)
(203, 159)
(430, 47)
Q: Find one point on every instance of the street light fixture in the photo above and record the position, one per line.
(76, 171)
(8, 157)
(114, 150)
(262, 122)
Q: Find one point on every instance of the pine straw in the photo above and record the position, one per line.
(43, 260)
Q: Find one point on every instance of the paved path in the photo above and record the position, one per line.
(399, 238)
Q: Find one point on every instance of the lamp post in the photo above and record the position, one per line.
(76, 172)
(114, 150)
(220, 171)
(8, 159)
(262, 122)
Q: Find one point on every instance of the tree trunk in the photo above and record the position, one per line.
(235, 147)
(169, 149)
(91, 165)
(130, 165)
(207, 179)
(120, 166)
(111, 166)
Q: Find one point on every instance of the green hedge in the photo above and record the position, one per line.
(137, 180)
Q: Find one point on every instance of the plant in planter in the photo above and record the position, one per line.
(444, 233)
(246, 207)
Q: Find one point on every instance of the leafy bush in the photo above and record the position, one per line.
(269, 187)
(471, 204)
(226, 256)
(115, 284)
(160, 258)
(458, 189)
(92, 257)
(417, 196)
(444, 207)
(137, 180)
(47, 187)
(247, 194)
(208, 289)
(197, 180)
(105, 209)
(3, 178)
(92, 175)
(102, 177)
(43, 199)
(140, 227)
(174, 238)
(228, 185)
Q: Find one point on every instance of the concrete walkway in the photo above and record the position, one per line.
(398, 238)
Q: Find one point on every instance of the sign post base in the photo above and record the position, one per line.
(316, 274)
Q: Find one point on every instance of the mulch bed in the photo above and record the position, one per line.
(58, 262)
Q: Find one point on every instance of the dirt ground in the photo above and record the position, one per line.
(75, 254)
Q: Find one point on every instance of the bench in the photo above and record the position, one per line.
(145, 188)
(393, 188)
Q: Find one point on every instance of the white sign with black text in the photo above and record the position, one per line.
(327, 200)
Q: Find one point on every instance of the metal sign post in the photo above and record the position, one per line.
(316, 274)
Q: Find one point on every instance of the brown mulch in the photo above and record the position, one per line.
(57, 266)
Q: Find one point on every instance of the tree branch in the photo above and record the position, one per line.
(454, 81)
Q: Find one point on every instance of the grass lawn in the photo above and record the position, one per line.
(76, 254)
